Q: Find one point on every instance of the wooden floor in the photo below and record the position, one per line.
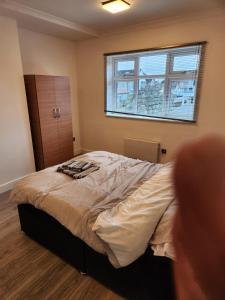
(29, 271)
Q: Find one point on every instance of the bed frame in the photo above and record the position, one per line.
(149, 277)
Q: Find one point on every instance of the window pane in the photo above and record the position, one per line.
(153, 65)
(158, 84)
(186, 63)
(150, 96)
(125, 98)
(181, 99)
(125, 68)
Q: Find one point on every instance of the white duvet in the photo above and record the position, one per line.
(148, 212)
(109, 209)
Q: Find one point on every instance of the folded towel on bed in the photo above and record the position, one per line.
(78, 169)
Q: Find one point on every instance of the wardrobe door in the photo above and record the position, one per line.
(48, 121)
(33, 109)
(62, 93)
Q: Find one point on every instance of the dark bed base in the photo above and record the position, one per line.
(149, 277)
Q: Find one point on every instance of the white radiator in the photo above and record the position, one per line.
(142, 149)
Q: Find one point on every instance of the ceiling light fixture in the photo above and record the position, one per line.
(115, 6)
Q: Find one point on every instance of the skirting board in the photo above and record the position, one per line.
(9, 185)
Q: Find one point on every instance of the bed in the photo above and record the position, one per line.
(114, 224)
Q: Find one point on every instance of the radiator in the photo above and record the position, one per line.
(142, 149)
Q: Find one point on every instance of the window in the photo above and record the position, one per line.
(154, 84)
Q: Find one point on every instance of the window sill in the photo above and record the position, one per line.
(143, 118)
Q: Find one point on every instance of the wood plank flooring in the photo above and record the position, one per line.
(29, 271)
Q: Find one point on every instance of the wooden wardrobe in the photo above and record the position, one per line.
(49, 108)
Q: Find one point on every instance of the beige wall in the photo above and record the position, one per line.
(100, 132)
(47, 55)
(16, 154)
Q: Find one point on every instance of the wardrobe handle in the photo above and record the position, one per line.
(54, 113)
(58, 112)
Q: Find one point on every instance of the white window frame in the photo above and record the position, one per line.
(169, 75)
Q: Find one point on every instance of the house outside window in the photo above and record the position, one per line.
(155, 84)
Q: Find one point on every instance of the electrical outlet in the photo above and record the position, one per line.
(163, 151)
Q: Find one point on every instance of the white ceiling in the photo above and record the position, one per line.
(78, 19)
